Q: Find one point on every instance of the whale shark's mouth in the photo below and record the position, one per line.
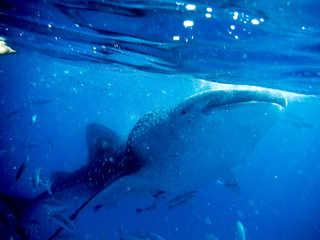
(211, 107)
(249, 96)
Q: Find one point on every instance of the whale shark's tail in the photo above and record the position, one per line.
(106, 163)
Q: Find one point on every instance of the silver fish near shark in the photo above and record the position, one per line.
(36, 180)
(240, 232)
(139, 235)
(171, 151)
(23, 167)
(63, 221)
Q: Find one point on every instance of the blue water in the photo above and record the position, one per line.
(110, 62)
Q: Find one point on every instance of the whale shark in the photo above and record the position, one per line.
(172, 151)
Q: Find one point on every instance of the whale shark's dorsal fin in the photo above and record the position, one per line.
(101, 141)
(106, 154)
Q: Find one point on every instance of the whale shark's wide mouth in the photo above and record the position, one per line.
(246, 96)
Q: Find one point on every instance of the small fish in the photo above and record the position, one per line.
(33, 119)
(180, 200)
(181, 197)
(4, 49)
(240, 232)
(8, 150)
(302, 125)
(55, 205)
(98, 207)
(7, 127)
(139, 235)
(16, 113)
(38, 102)
(30, 223)
(47, 184)
(4, 151)
(36, 178)
(104, 237)
(27, 106)
(23, 167)
(151, 207)
(296, 121)
(63, 221)
(179, 203)
(67, 236)
(157, 198)
(50, 144)
(30, 145)
(210, 236)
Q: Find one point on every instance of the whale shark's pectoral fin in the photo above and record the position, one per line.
(230, 181)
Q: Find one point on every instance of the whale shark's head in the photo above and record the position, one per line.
(192, 143)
